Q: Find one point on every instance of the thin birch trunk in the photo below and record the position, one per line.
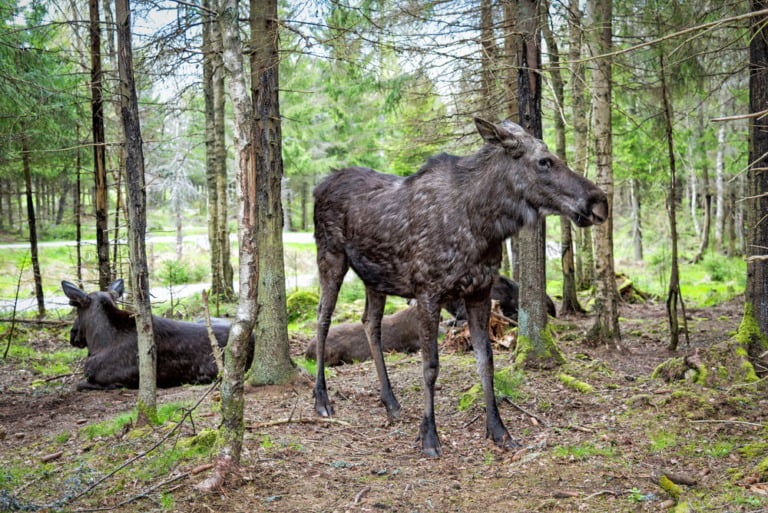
(137, 219)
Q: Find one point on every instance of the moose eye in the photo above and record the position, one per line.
(545, 164)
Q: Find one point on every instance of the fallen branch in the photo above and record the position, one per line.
(320, 420)
(730, 422)
(539, 419)
(211, 336)
(36, 322)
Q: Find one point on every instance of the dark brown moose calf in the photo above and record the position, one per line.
(184, 354)
(436, 236)
(348, 343)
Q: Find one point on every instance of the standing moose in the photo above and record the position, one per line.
(436, 236)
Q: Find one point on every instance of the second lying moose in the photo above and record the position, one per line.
(347, 343)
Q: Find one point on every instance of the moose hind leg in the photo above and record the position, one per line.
(478, 315)
(332, 268)
(374, 310)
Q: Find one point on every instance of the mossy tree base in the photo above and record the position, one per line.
(719, 366)
(538, 354)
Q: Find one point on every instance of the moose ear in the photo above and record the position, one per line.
(116, 288)
(507, 135)
(76, 296)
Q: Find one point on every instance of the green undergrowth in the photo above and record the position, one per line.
(507, 383)
(28, 483)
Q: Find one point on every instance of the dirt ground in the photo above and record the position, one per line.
(600, 451)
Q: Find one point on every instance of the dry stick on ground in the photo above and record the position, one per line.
(539, 419)
(319, 420)
(187, 413)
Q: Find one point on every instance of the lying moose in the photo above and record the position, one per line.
(184, 354)
(347, 342)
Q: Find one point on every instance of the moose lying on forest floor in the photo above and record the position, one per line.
(184, 353)
(436, 236)
(348, 343)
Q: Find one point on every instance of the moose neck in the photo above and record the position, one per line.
(494, 198)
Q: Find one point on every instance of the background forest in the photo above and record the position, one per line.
(385, 86)
(655, 101)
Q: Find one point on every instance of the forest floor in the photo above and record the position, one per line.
(600, 451)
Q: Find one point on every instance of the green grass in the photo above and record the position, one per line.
(46, 364)
(166, 412)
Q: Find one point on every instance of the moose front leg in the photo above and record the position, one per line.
(332, 268)
(478, 315)
(429, 319)
(374, 310)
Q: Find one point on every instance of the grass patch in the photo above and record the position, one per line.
(507, 383)
(165, 412)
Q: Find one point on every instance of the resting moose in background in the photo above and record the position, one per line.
(506, 292)
(184, 352)
(436, 236)
(348, 343)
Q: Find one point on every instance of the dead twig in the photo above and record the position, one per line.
(742, 422)
(280, 422)
(533, 415)
(211, 336)
(142, 495)
(36, 322)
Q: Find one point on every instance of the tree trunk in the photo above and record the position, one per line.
(606, 327)
(756, 204)
(62, 201)
(99, 160)
(707, 200)
(510, 52)
(222, 183)
(673, 293)
(210, 155)
(78, 210)
(216, 169)
(488, 50)
(272, 361)
(570, 302)
(720, 194)
(137, 219)
(32, 223)
(584, 262)
(233, 377)
(637, 225)
(535, 345)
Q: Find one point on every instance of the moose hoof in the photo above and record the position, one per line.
(432, 452)
(506, 442)
(393, 411)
